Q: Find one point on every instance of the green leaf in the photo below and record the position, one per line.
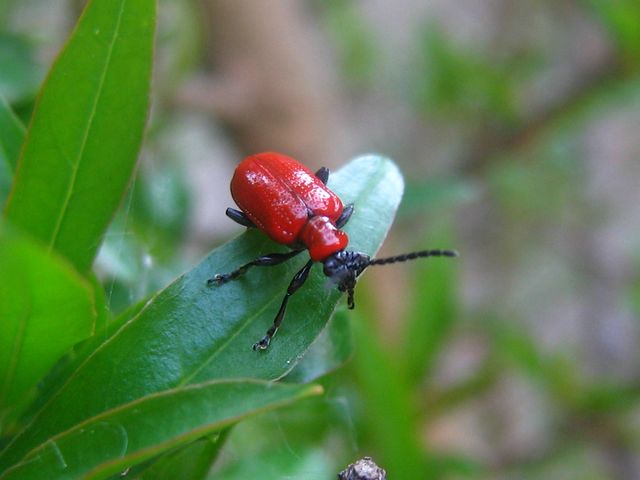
(432, 316)
(459, 81)
(329, 352)
(389, 406)
(426, 195)
(292, 463)
(193, 461)
(6, 177)
(86, 130)
(112, 441)
(11, 134)
(191, 333)
(45, 307)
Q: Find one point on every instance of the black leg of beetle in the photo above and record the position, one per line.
(345, 216)
(264, 261)
(239, 217)
(350, 302)
(413, 255)
(296, 283)
(323, 175)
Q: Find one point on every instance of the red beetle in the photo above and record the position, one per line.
(294, 207)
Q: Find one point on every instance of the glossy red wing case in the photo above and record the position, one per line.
(279, 194)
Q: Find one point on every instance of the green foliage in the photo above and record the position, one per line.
(11, 138)
(138, 256)
(432, 317)
(330, 351)
(275, 464)
(517, 187)
(11, 134)
(390, 403)
(307, 439)
(111, 441)
(189, 333)
(355, 42)
(453, 81)
(19, 72)
(165, 372)
(35, 287)
(75, 166)
(160, 199)
(390, 377)
(552, 374)
(192, 461)
(426, 195)
(90, 360)
(621, 19)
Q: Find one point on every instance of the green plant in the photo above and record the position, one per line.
(157, 386)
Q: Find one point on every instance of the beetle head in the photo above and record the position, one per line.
(343, 268)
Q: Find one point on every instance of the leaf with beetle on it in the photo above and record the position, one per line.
(192, 333)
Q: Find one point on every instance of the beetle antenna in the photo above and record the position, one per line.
(412, 256)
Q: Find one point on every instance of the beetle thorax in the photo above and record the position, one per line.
(322, 238)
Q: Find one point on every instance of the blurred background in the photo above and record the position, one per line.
(517, 127)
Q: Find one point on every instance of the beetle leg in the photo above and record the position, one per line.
(239, 217)
(323, 175)
(263, 261)
(297, 281)
(345, 216)
(350, 302)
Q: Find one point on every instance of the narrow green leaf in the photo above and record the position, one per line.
(191, 333)
(432, 316)
(86, 131)
(116, 439)
(11, 134)
(45, 308)
(389, 407)
(193, 461)
(329, 351)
